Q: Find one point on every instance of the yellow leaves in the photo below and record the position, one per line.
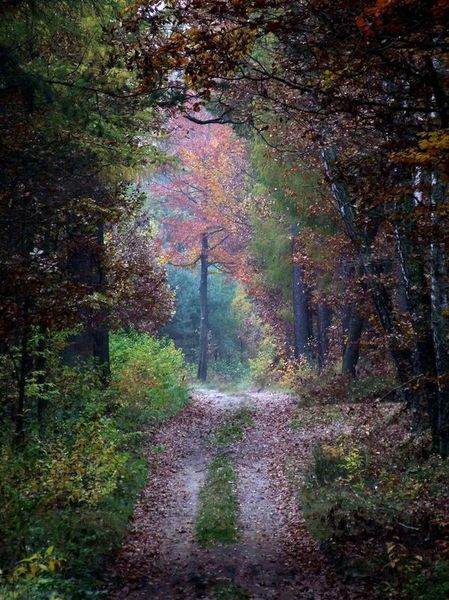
(432, 149)
(435, 140)
(86, 471)
(327, 79)
(333, 452)
(401, 559)
(38, 564)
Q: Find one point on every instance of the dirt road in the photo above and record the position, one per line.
(275, 557)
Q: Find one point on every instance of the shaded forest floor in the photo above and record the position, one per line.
(272, 555)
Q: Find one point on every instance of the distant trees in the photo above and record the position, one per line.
(298, 263)
(204, 196)
(233, 327)
(360, 92)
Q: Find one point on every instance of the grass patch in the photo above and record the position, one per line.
(217, 519)
(233, 428)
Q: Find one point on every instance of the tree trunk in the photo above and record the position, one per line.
(100, 329)
(402, 356)
(204, 309)
(23, 372)
(40, 365)
(440, 315)
(92, 342)
(301, 314)
(351, 353)
(412, 262)
(364, 238)
(324, 321)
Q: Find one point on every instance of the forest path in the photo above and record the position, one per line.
(275, 557)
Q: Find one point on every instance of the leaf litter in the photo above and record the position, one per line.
(275, 557)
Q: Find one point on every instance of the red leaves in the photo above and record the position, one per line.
(204, 193)
(139, 294)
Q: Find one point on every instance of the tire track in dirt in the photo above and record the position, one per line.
(275, 559)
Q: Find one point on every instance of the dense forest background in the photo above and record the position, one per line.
(251, 192)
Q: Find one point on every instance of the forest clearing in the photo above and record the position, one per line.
(224, 299)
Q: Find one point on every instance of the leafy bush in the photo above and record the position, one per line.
(149, 376)
(261, 367)
(85, 471)
(382, 510)
(433, 585)
(72, 487)
(293, 373)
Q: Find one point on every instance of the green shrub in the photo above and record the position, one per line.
(382, 511)
(73, 485)
(432, 585)
(149, 376)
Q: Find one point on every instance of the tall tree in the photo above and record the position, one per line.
(204, 193)
(71, 112)
(363, 89)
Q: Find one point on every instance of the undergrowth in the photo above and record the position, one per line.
(335, 388)
(67, 495)
(229, 591)
(378, 501)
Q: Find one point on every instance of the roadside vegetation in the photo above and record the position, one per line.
(67, 497)
(373, 496)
